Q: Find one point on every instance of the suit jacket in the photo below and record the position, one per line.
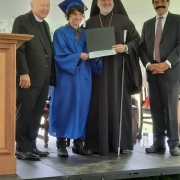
(32, 56)
(169, 46)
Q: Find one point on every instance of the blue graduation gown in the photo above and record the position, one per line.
(71, 97)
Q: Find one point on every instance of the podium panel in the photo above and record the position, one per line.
(7, 108)
(8, 45)
(2, 99)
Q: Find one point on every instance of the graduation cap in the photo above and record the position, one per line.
(66, 4)
(118, 8)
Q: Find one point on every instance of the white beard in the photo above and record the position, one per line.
(104, 10)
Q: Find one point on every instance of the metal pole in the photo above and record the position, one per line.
(121, 103)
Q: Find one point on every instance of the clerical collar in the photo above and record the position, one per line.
(38, 19)
(79, 30)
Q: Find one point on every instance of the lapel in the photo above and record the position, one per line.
(49, 35)
(151, 28)
(34, 23)
(166, 25)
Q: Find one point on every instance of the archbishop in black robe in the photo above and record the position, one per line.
(102, 135)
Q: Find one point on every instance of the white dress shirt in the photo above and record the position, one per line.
(163, 23)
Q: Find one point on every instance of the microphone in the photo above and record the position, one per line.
(125, 35)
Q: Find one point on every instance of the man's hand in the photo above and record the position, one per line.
(158, 68)
(84, 56)
(162, 66)
(119, 48)
(155, 69)
(152, 67)
(25, 81)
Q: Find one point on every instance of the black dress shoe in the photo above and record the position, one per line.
(27, 156)
(81, 150)
(175, 151)
(62, 152)
(123, 151)
(155, 149)
(40, 153)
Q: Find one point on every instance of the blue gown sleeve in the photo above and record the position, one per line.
(65, 59)
(96, 65)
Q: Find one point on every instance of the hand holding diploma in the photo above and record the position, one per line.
(119, 48)
(84, 56)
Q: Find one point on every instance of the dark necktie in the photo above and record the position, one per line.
(158, 39)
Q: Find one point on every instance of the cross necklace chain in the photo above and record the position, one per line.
(109, 21)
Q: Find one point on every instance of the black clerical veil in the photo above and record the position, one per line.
(118, 8)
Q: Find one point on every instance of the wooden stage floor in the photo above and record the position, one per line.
(96, 167)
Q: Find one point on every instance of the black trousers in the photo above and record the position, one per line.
(164, 110)
(30, 104)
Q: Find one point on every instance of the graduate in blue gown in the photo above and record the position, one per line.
(70, 99)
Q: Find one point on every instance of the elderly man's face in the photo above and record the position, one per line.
(161, 6)
(105, 6)
(40, 8)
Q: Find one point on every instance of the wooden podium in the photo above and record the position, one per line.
(8, 45)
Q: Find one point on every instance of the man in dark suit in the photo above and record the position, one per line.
(34, 64)
(160, 53)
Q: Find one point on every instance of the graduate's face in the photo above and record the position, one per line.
(161, 6)
(40, 8)
(75, 18)
(105, 6)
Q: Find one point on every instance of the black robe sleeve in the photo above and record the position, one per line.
(134, 75)
(134, 78)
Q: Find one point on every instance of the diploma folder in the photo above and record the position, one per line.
(100, 42)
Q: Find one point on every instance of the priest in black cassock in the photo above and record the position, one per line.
(102, 134)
